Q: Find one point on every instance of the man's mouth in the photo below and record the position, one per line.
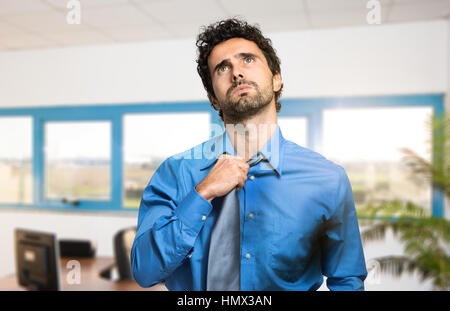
(242, 89)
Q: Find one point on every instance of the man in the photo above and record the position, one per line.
(255, 211)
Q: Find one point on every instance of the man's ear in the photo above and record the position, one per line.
(214, 102)
(277, 82)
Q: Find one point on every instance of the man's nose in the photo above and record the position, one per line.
(238, 74)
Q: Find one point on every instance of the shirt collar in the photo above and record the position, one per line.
(272, 151)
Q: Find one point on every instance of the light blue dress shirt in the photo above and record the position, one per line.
(297, 219)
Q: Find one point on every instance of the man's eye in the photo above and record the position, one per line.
(223, 68)
(249, 60)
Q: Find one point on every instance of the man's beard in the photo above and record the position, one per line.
(246, 105)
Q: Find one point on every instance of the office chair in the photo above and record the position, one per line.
(123, 242)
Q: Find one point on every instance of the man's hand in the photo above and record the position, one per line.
(229, 172)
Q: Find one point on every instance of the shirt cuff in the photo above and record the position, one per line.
(193, 210)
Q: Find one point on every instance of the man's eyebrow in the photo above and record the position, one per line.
(245, 55)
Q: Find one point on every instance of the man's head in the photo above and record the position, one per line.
(239, 69)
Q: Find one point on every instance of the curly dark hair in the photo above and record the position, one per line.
(227, 29)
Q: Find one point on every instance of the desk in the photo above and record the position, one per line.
(91, 268)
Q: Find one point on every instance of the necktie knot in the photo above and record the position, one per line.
(255, 159)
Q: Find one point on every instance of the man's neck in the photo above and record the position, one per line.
(252, 134)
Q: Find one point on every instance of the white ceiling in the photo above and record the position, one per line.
(31, 24)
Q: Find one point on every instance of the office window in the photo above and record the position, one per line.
(104, 155)
(77, 160)
(367, 143)
(15, 160)
(150, 138)
(294, 129)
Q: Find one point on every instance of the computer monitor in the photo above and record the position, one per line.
(37, 260)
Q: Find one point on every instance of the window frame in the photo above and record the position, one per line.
(107, 112)
(311, 108)
(83, 203)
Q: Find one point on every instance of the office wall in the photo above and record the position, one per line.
(376, 60)
(384, 59)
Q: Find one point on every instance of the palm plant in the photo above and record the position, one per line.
(426, 239)
(436, 171)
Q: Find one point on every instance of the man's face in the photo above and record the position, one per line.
(242, 81)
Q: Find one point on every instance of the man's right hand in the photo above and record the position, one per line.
(228, 173)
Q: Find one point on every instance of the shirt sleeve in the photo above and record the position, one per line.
(342, 254)
(167, 225)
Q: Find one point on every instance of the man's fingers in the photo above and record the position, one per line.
(244, 167)
(241, 182)
(234, 166)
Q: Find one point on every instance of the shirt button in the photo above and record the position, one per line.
(252, 177)
(250, 215)
(247, 256)
(203, 217)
